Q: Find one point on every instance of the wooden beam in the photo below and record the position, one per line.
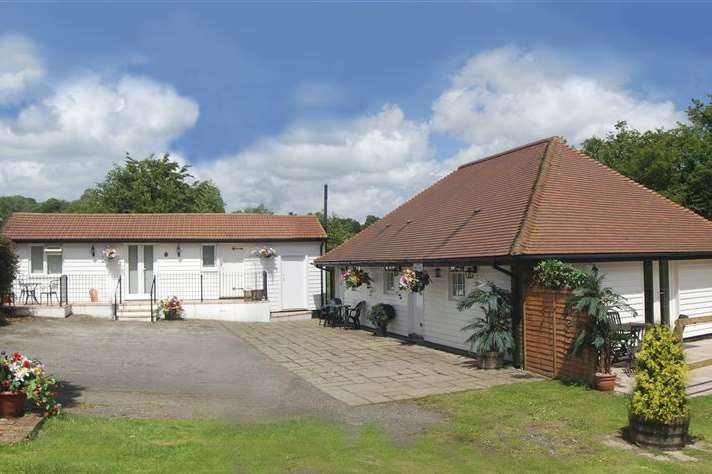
(648, 294)
(664, 273)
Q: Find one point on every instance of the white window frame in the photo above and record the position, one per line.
(451, 284)
(54, 250)
(389, 284)
(214, 266)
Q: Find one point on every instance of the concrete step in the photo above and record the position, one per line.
(290, 315)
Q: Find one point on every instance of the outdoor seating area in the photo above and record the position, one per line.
(337, 314)
(35, 291)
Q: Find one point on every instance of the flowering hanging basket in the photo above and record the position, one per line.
(354, 278)
(265, 252)
(413, 280)
(110, 253)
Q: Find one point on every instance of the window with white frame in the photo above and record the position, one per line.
(457, 284)
(46, 259)
(389, 281)
(208, 256)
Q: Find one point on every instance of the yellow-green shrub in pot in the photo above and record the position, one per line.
(659, 416)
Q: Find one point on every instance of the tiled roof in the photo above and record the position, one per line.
(25, 226)
(544, 198)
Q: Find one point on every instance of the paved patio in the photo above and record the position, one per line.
(358, 368)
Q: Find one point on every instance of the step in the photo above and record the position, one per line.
(290, 316)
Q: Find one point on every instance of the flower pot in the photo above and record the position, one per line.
(658, 435)
(381, 330)
(171, 315)
(12, 404)
(606, 382)
(491, 360)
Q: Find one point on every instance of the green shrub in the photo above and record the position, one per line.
(660, 378)
(493, 333)
(8, 267)
(381, 314)
(557, 275)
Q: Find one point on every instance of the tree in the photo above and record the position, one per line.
(150, 185)
(8, 267)
(261, 209)
(341, 229)
(676, 163)
(370, 219)
(10, 204)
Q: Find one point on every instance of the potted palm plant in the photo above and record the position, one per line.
(595, 301)
(491, 335)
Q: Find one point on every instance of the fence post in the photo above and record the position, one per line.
(264, 285)
(63, 291)
(201, 287)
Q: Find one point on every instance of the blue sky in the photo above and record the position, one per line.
(271, 100)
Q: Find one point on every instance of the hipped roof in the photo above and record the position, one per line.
(541, 199)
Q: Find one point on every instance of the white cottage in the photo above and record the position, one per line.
(214, 262)
(495, 218)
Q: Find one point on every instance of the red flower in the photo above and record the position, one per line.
(26, 364)
(16, 356)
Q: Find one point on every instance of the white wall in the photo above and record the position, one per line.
(442, 322)
(179, 275)
(692, 284)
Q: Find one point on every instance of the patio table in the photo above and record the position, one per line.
(30, 291)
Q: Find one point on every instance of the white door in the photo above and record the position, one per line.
(293, 282)
(140, 271)
(232, 277)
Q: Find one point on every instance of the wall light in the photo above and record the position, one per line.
(178, 250)
(93, 251)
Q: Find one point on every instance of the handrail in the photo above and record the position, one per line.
(153, 297)
(680, 324)
(117, 290)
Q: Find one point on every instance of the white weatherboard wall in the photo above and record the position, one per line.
(442, 322)
(692, 280)
(180, 276)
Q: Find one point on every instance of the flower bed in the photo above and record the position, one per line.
(20, 375)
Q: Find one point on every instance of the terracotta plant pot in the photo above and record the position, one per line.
(491, 360)
(12, 404)
(606, 382)
(658, 435)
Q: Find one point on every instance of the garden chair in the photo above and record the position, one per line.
(52, 290)
(329, 312)
(624, 339)
(353, 315)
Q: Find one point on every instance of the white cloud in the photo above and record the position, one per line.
(371, 163)
(20, 66)
(506, 97)
(67, 141)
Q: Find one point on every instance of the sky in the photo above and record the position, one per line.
(272, 100)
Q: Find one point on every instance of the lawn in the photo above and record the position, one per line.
(534, 427)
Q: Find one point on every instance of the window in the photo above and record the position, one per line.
(54, 260)
(208, 256)
(457, 284)
(389, 281)
(37, 259)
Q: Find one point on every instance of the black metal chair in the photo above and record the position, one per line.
(625, 339)
(52, 290)
(353, 315)
(331, 313)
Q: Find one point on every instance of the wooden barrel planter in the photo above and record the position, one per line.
(659, 435)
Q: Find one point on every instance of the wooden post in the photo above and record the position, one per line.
(664, 271)
(648, 292)
(517, 312)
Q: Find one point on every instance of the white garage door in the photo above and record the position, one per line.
(695, 293)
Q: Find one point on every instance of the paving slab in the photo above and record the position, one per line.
(359, 368)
